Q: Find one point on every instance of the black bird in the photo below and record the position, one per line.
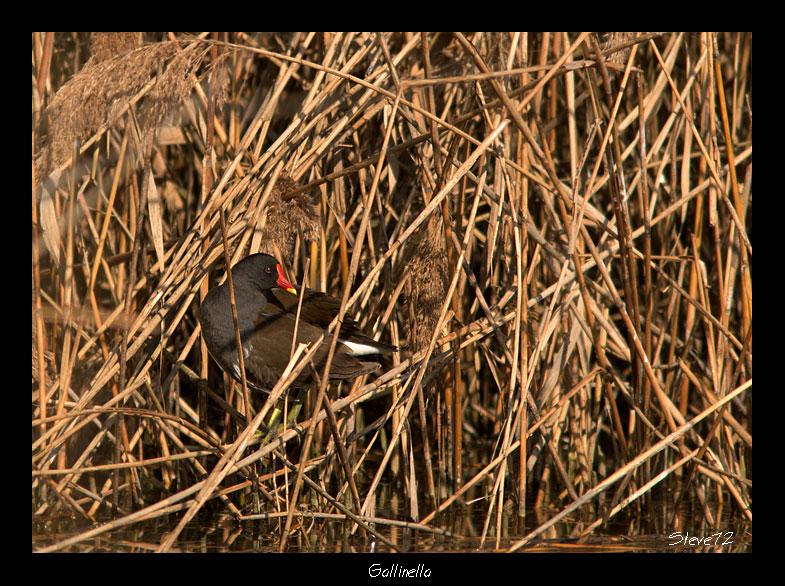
(267, 310)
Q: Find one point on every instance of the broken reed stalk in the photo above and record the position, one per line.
(551, 228)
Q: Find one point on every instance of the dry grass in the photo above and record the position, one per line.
(570, 281)
(102, 91)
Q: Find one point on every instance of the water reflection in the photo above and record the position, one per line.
(658, 528)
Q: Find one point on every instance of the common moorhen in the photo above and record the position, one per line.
(266, 311)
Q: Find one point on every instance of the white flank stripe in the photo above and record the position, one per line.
(358, 349)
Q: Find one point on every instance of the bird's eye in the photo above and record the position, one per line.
(267, 270)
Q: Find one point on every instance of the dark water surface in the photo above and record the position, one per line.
(656, 529)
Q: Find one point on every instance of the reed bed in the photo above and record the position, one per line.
(554, 228)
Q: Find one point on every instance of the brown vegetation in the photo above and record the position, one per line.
(574, 275)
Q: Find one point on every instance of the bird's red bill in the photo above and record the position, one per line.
(283, 282)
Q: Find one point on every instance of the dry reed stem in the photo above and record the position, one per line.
(563, 208)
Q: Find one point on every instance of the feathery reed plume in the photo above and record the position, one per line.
(104, 46)
(114, 74)
(427, 284)
(615, 38)
(283, 219)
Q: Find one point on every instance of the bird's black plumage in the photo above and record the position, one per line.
(267, 310)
